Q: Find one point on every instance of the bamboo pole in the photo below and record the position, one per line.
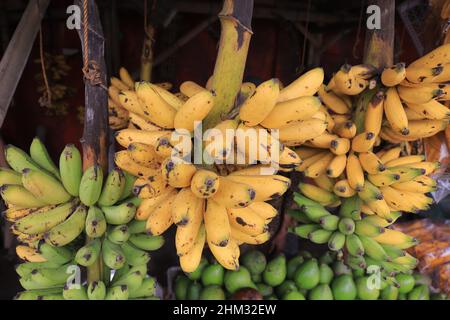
(235, 19)
(379, 52)
(95, 134)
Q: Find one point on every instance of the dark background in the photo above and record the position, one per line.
(335, 35)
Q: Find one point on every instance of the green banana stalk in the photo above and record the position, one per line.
(113, 188)
(69, 230)
(120, 214)
(19, 159)
(91, 185)
(95, 222)
(70, 169)
(89, 253)
(75, 292)
(113, 255)
(40, 222)
(96, 290)
(8, 176)
(147, 242)
(39, 154)
(134, 256)
(118, 234)
(19, 196)
(44, 187)
(117, 293)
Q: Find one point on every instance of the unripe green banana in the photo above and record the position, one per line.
(393, 252)
(363, 228)
(351, 208)
(19, 159)
(336, 241)
(305, 229)
(113, 188)
(346, 226)
(8, 176)
(354, 245)
(120, 214)
(45, 278)
(75, 292)
(119, 273)
(373, 249)
(134, 200)
(70, 169)
(118, 234)
(41, 222)
(113, 255)
(44, 187)
(137, 226)
(58, 255)
(299, 216)
(39, 154)
(91, 185)
(133, 280)
(96, 290)
(147, 289)
(135, 256)
(117, 293)
(67, 231)
(43, 294)
(356, 262)
(128, 186)
(95, 222)
(89, 253)
(24, 269)
(329, 222)
(147, 242)
(320, 236)
(19, 196)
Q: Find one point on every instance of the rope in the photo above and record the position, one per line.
(91, 69)
(305, 38)
(358, 32)
(45, 101)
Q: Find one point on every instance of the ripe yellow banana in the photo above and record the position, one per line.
(187, 232)
(336, 166)
(259, 105)
(371, 163)
(420, 184)
(169, 97)
(126, 77)
(184, 206)
(178, 174)
(342, 189)
(355, 173)
(405, 160)
(374, 113)
(317, 194)
(300, 132)
(392, 76)
(306, 85)
(147, 205)
(158, 110)
(124, 162)
(395, 238)
(19, 196)
(413, 115)
(143, 154)
(325, 182)
(194, 110)
(129, 100)
(363, 142)
(385, 178)
(425, 167)
(160, 219)
(306, 152)
(227, 256)
(345, 129)
(219, 142)
(420, 95)
(218, 230)
(347, 83)
(266, 187)
(115, 82)
(431, 110)
(246, 220)
(127, 136)
(233, 194)
(291, 111)
(246, 238)
(190, 88)
(288, 160)
(395, 114)
(391, 154)
(398, 200)
(332, 101)
(143, 123)
(440, 55)
(319, 167)
(340, 146)
(190, 261)
(150, 187)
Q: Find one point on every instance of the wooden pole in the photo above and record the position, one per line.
(235, 19)
(379, 52)
(147, 54)
(95, 134)
(16, 55)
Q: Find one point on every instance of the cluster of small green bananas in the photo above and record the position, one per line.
(365, 240)
(54, 210)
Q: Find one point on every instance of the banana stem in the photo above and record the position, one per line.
(95, 133)
(235, 19)
(147, 55)
(378, 51)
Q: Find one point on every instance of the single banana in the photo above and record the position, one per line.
(342, 189)
(336, 166)
(190, 261)
(433, 110)
(133, 255)
(267, 187)
(95, 225)
(8, 176)
(306, 85)
(302, 131)
(395, 113)
(371, 163)
(143, 123)
(112, 255)
(243, 237)
(363, 142)
(332, 101)
(70, 169)
(160, 219)
(234, 194)
(126, 77)
(91, 185)
(129, 100)
(325, 182)
(19, 159)
(420, 184)
(420, 95)
(190, 88)
(45, 187)
(392, 76)
(319, 167)
(194, 110)
(19, 196)
(29, 254)
(396, 239)
(150, 187)
(58, 255)
(346, 129)
(89, 253)
(96, 290)
(119, 214)
(147, 205)
(113, 188)
(246, 220)
(126, 137)
(123, 160)
(355, 173)
(177, 174)
(186, 232)
(391, 154)
(118, 234)
(143, 155)
(227, 256)
(317, 194)
(39, 154)
(386, 178)
(374, 113)
(184, 207)
(354, 245)
(204, 183)
(259, 105)
(116, 82)
(217, 226)
(69, 229)
(146, 242)
(337, 241)
(440, 55)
